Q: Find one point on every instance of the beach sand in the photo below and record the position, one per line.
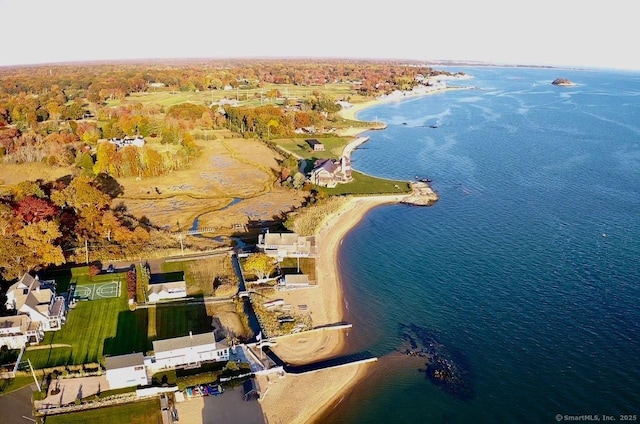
(299, 399)
(305, 398)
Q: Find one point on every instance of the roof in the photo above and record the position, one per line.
(282, 239)
(249, 386)
(194, 340)
(123, 361)
(167, 287)
(25, 281)
(296, 279)
(21, 321)
(313, 141)
(325, 164)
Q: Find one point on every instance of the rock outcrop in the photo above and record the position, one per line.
(562, 81)
(422, 195)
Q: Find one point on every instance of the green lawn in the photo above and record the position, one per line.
(143, 412)
(107, 327)
(333, 147)
(177, 319)
(11, 385)
(246, 96)
(366, 184)
(93, 329)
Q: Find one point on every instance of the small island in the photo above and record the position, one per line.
(563, 82)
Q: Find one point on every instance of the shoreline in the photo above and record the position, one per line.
(329, 301)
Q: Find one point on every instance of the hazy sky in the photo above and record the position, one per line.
(594, 33)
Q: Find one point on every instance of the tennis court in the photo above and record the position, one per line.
(97, 291)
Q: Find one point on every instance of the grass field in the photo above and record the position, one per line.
(246, 96)
(333, 147)
(366, 184)
(143, 412)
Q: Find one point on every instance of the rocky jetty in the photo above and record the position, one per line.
(444, 368)
(563, 82)
(422, 195)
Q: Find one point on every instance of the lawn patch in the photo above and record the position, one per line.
(143, 412)
(177, 319)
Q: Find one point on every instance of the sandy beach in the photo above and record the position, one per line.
(309, 396)
(304, 398)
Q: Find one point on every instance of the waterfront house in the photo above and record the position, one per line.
(18, 331)
(329, 172)
(189, 351)
(286, 245)
(126, 371)
(38, 300)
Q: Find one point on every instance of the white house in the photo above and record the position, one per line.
(17, 331)
(126, 371)
(329, 172)
(137, 141)
(37, 299)
(162, 291)
(286, 245)
(188, 351)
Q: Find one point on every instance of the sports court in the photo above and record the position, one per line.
(97, 291)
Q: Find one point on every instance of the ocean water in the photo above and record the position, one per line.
(527, 270)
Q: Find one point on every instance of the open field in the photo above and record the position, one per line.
(227, 172)
(13, 173)
(143, 412)
(246, 96)
(200, 275)
(298, 146)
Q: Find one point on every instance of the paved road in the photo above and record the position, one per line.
(16, 406)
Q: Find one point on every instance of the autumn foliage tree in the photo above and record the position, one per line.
(260, 264)
(131, 283)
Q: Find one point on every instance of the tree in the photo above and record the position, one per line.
(104, 158)
(32, 209)
(26, 188)
(260, 264)
(131, 282)
(15, 258)
(39, 238)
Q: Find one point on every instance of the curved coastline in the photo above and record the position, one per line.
(310, 403)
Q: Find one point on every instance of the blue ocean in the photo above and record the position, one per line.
(526, 272)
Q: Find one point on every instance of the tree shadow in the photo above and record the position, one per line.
(109, 185)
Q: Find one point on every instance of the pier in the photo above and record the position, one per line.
(264, 343)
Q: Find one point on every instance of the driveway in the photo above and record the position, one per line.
(227, 408)
(16, 406)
